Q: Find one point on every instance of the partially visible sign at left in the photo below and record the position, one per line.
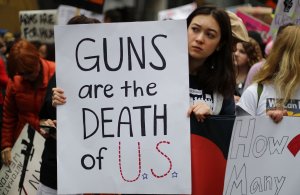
(38, 25)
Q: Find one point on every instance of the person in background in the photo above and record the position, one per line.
(9, 39)
(211, 67)
(121, 14)
(113, 15)
(257, 37)
(246, 54)
(48, 171)
(29, 76)
(3, 82)
(47, 51)
(3, 50)
(256, 67)
(278, 80)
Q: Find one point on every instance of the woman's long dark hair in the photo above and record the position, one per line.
(217, 73)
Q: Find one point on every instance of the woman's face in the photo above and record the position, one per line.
(204, 35)
(240, 56)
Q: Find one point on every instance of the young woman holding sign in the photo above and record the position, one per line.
(210, 62)
(212, 75)
(212, 86)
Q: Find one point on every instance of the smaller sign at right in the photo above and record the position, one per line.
(263, 157)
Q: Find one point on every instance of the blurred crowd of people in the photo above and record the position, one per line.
(222, 54)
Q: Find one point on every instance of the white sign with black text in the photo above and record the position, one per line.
(22, 176)
(124, 127)
(38, 25)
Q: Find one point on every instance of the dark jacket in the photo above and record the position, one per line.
(48, 174)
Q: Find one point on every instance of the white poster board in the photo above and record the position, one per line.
(38, 25)
(124, 127)
(10, 175)
(286, 12)
(263, 157)
(66, 12)
(177, 13)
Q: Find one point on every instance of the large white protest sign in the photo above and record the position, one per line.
(263, 157)
(124, 127)
(38, 25)
(23, 175)
(286, 12)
